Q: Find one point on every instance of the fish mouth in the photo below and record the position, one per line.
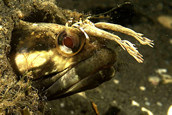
(89, 82)
(87, 74)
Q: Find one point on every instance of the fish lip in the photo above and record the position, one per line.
(99, 77)
(79, 72)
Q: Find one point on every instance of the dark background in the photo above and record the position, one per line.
(116, 98)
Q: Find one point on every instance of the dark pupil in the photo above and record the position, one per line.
(67, 41)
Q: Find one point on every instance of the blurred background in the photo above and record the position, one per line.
(137, 89)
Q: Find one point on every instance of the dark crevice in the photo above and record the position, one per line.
(39, 16)
(6, 2)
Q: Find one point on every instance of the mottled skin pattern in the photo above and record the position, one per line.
(61, 69)
(59, 73)
(48, 12)
(85, 69)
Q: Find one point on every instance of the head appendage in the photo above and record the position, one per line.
(89, 28)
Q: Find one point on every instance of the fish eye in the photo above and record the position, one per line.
(69, 44)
